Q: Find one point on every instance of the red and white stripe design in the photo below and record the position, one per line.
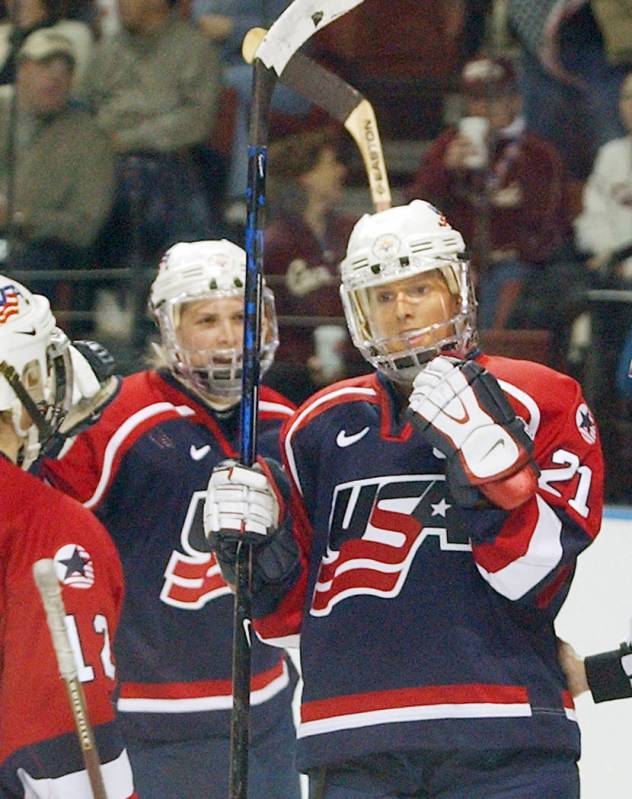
(204, 695)
(9, 303)
(134, 426)
(569, 706)
(527, 549)
(413, 704)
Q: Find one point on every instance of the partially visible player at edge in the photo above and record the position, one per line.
(40, 755)
(607, 675)
(437, 509)
(143, 469)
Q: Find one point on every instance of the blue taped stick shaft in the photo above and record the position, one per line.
(263, 86)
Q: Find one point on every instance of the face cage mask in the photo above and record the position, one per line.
(48, 413)
(221, 376)
(386, 354)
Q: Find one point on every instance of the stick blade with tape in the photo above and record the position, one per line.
(49, 589)
(300, 20)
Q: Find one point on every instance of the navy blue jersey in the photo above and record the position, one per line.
(144, 468)
(423, 625)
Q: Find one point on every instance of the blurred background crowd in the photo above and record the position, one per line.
(124, 128)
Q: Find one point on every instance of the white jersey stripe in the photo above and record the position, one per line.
(275, 407)
(529, 403)
(119, 437)
(341, 392)
(117, 778)
(542, 556)
(203, 703)
(474, 710)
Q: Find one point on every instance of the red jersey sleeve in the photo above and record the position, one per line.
(39, 752)
(528, 554)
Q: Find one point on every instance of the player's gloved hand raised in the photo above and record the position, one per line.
(248, 504)
(94, 386)
(461, 410)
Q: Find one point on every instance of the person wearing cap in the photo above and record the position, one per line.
(502, 186)
(27, 16)
(60, 167)
(153, 88)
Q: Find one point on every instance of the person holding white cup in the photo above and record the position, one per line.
(500, 184)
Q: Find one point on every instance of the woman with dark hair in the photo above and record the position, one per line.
(303, 246)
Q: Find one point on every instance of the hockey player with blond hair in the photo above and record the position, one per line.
(437, 509)
(143, 470)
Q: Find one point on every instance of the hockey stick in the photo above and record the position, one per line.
(342, 102)
(50, 592)
(300, 20)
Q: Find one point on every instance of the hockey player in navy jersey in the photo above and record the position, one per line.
(437, 509)
(41, 375)
(143, 469)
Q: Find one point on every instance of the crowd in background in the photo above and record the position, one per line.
(123, 128)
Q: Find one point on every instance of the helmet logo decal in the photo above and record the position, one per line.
(443, 221)
(9, 303)
(74, 567)
(386, 247)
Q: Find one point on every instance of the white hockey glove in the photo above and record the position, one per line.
(248, 504)
(461, 410)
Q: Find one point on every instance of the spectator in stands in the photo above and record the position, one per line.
(603, 231)
(58, 177)
(504, 191)
(27, 16)
(153, 87)
(304, 243)
(604, 226)
(574, 56)
(225, 23)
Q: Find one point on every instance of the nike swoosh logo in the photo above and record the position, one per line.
(499, 443)
(343, 440)
(30, 332)
(197, 453)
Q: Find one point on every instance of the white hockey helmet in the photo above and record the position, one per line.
(200, 270)
(393, 245)
(36, 371)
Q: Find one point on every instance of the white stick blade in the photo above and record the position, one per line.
(50, 592)
(299, 21)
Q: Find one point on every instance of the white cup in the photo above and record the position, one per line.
(476, 129)
(328, 341)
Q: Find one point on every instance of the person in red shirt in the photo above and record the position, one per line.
(40, 754)
(505, 191)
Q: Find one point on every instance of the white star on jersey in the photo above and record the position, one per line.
(440, 508)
